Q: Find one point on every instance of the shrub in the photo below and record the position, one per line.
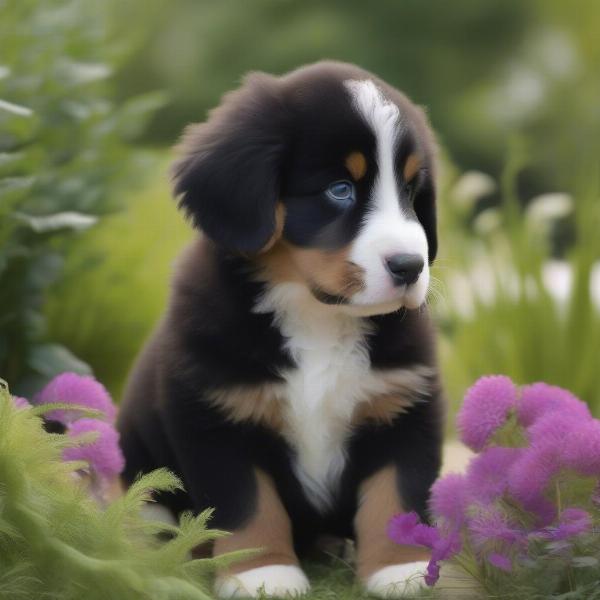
(523, 521)
(63, 150)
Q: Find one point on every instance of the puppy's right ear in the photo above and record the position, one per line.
(228, 178)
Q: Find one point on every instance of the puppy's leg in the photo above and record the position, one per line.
(217, 462)
(387, 569)
(275, 571)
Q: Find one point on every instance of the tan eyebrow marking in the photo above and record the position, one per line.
(356, 163)
(411, 166)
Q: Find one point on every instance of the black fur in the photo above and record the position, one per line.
(274, 140)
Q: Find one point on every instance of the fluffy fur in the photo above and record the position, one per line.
(296, 360)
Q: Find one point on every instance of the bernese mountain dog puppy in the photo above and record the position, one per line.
(292, 383)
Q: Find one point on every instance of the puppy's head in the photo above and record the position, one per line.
(325, 175)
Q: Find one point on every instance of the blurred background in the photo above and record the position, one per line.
(94, 94)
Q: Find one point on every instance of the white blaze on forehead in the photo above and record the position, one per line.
(386, 229)
(383, 117)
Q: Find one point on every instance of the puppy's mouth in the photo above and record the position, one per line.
(326, 298)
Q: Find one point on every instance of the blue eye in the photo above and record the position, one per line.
(341, 191)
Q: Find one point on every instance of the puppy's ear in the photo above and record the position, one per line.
(425, 208)
(227, 180)
(425, 201)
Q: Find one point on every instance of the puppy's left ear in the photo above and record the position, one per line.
(425, 201)
(228, 177)
(425, 208)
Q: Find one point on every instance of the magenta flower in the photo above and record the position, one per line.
(572, 522)
(103, 455)
(529, 477)
(491, 525)
(576, 439)
(81, 390)
(540, 399)
(485, 409)
(21, 402)
(448, 499)
(500, 561)
(446, 547)
(407, 529)
(582, 453)
(487, 473)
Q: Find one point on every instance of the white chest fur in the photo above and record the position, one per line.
(332, 376)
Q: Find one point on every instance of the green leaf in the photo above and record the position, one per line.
(79, 73)
(64, 220)
(15, 109)
(135, 114)
(44, 270)
(10, 158)
(52, 359)
(15, 184)
(584, 561)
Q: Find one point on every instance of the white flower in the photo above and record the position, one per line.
(549, 207)
(471, 186)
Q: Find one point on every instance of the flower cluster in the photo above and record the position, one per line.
(99, 445)
(530, 497)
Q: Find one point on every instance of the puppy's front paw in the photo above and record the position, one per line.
(279, 581)
(397, 581)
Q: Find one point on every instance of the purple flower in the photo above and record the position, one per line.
(448, 499)
(407, 529)
(21, 402)
(82, 390)
(572, 522)
(576, 439)
(487, 473)
(500, 561)
(541, 399)
(103, 455)
(491, 525)
(582, 452)
(529, 477)
(485, 409)
(446, 547)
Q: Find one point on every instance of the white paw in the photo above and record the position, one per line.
(280, 581)
(397, 581)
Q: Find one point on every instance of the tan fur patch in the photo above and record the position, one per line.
(400, 389)
(331, 271)
(356, 163)
(411, 166)
(279, 223)
(269, 529)
(260, 404)
(379, 501)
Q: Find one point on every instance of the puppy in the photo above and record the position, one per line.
(292, 382)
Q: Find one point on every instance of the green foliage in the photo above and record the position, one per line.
(56, 542)
(498, 313)
(483, 69)
(62, 150)
(116, 281)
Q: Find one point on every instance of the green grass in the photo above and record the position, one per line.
(334, 579)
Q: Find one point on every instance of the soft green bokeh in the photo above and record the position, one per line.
(94, 93)
(116, 280)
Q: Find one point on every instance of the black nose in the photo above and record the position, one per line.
(404, 268)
